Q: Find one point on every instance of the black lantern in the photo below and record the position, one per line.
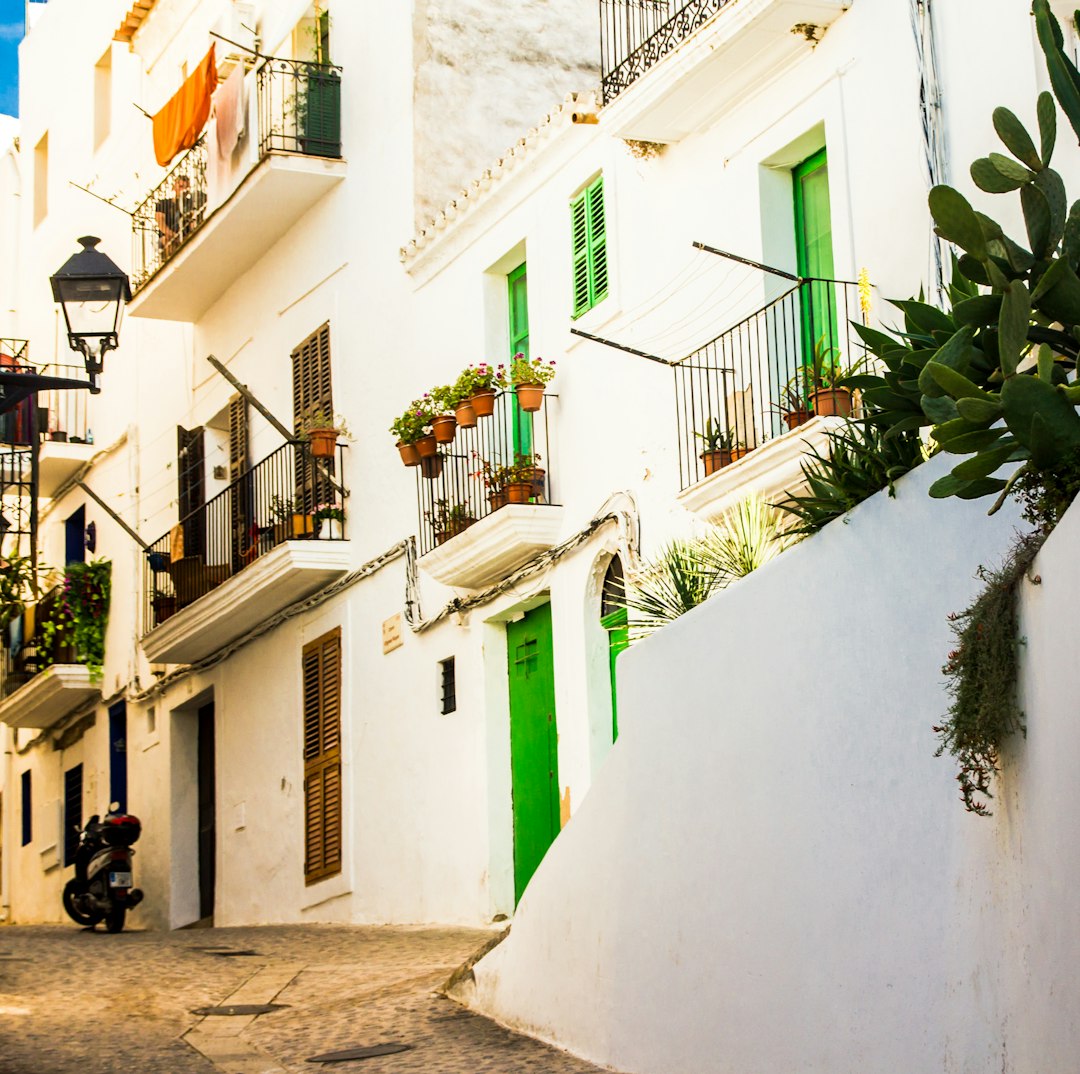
(92, 291)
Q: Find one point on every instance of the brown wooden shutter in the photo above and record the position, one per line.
(321, 664)
(191, 492)
(240, 496)
(311, 392)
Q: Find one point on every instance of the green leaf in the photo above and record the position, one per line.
(1046, 364)
(979, 411)
(939, 410)
(988, 178)
(1062, 301)
(953, 382)
(1057, 66)
(1047, 113)
(979, 311)
(1017, 140)
(1053, 189)
(969, 490)
(1071, 242)
(973, 270)
(876, 342)
(1013, 326)
(985, 463)
(1036, 219)
(924, 317)
(956, 220)
(965, 443)
(1043, 445)
(1008, 167)
(985, 486)
(1049, 279)
(1025, 397)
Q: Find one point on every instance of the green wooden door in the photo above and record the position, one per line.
(617, 625)
(814, 254)
(518, 300)
(534, 742)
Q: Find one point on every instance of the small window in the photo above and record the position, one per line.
(589, 238)
(73, 790)
(27, 814)
(41, 179)
(447, 686)
(103, 98)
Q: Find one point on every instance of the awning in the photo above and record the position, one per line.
(178, 125)
(711, 292)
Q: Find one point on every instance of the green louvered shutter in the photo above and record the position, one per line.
(598, 263)
(580, 236)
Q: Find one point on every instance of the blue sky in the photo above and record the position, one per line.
(11, 31)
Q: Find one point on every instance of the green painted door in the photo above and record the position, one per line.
(534, 742)
(617, 625)
(814, 253)
(518, 300)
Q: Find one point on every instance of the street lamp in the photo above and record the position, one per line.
(91, 290)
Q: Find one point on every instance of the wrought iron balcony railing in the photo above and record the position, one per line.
(635, 34)
(299, 107)
(25, 656)
(755, 381)
(63, 414)
(290, 495)
(469, 478)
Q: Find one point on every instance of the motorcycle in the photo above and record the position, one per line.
(102, 889)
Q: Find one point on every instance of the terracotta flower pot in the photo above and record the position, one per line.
(497, 498)
(466, 416)
(538, 482)
(795, 418)
(519, 492)
(483, 403)
(458, 525)
(323, 442)
(431, 466)
(427, 446)
(530, 397)
(444, 428)
(409, 455)
(715, 460)
(831, 402)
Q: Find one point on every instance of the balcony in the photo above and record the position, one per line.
(66, 438)
(208, 222)
(478, 518)
(755, 383)
(41, 683)
(702, 57)
(264, 542)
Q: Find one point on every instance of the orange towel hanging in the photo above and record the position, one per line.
(178, 125)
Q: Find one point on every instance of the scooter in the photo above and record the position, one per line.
(102, 887)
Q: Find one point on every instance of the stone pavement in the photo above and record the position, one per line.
(75, 1001)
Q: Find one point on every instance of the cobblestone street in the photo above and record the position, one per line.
(79, 1002)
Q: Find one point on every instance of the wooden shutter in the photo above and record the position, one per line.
(240, 496)
(311, 393)
(321, 665)
(191, 466)
(579, 231)
(598, 262)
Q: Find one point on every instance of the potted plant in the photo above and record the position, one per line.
(16, 584)
(290, 520)
(322, 430)
(482, 381)
(463, 408)
(164, 605)
(331, 518)
(443, 422)
(827, 394)
(529, 377)
(515, 482)
(448, 519)
(721, 448)
(73, 628)
(408, 430)
(794, 404)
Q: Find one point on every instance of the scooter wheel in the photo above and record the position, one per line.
(71, 890)
(114, 919)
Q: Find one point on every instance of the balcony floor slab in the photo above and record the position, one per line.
(49, 696)
(770, 471)
(288, 573)
(271, 199)
(491, 548)
(58, 462)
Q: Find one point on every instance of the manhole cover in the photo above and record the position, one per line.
(360, 1053)
(241, 1008)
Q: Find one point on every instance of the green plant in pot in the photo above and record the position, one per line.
(409, 429)
(448, 519)
(826, 381)
(519, 481)
(479, 383)
(322, 431)
(529, 377)
(290, 519)
(721, 446)
(80, 614)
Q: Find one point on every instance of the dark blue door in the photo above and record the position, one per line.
(118, 755)
(75, 537)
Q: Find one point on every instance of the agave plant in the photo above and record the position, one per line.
(686, 573)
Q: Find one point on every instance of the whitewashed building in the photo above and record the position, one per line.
(390, 721)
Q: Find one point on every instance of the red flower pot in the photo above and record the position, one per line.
(530, 397)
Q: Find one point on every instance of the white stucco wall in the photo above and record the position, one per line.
(774, 873)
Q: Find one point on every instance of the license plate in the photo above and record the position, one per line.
(120, 880)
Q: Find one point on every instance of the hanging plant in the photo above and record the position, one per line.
(81, 613)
